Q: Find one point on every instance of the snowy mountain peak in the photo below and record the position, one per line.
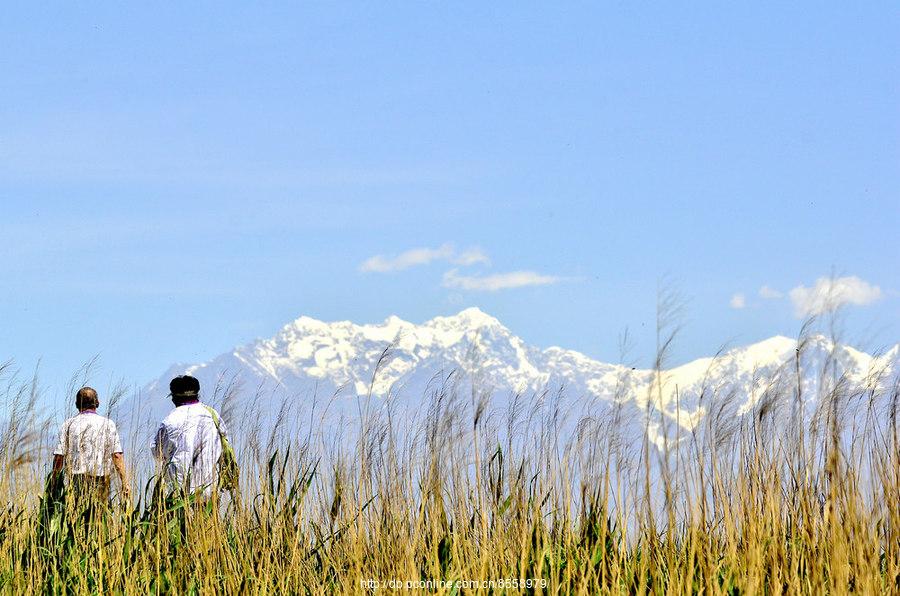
(306, 323)
(394, 321)
(470, 319)
(775, 348)
(310, 357)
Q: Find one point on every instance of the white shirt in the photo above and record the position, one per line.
(189, 446)
(88, 442)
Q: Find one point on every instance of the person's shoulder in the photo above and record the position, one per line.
(200, 414)
(202, 410)
(182, 414)
(174, 415)
(108, 422)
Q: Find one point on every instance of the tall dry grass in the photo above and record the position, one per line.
(800, 495)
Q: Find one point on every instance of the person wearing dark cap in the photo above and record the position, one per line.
(190, 439)
(88, 449)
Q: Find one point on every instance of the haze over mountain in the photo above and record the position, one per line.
(311, 360)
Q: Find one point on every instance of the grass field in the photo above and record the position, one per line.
(474, 501)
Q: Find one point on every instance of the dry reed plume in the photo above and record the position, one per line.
(763, 502)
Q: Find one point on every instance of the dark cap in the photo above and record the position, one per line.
(184, 386)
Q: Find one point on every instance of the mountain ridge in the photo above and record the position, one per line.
(397, 358)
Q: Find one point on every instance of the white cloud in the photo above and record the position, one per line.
(424, 256)
(768, 293)
(830, 293)
(498, 281)
(409, 258)
(738, 301)
(472, 256)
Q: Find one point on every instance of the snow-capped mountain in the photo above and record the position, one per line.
(310, 359)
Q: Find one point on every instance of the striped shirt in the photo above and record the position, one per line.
(87, 442)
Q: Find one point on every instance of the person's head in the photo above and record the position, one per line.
(184, 389)
(86, 399)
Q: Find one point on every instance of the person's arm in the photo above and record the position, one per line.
(54, 483)
(161, 445)
(119, 463)
(62, 448)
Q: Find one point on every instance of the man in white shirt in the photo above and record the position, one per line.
(88, 449)
(188, 443)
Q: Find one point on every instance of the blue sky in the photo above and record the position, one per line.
(177, 180)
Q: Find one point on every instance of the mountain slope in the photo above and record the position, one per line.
(310, 359)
